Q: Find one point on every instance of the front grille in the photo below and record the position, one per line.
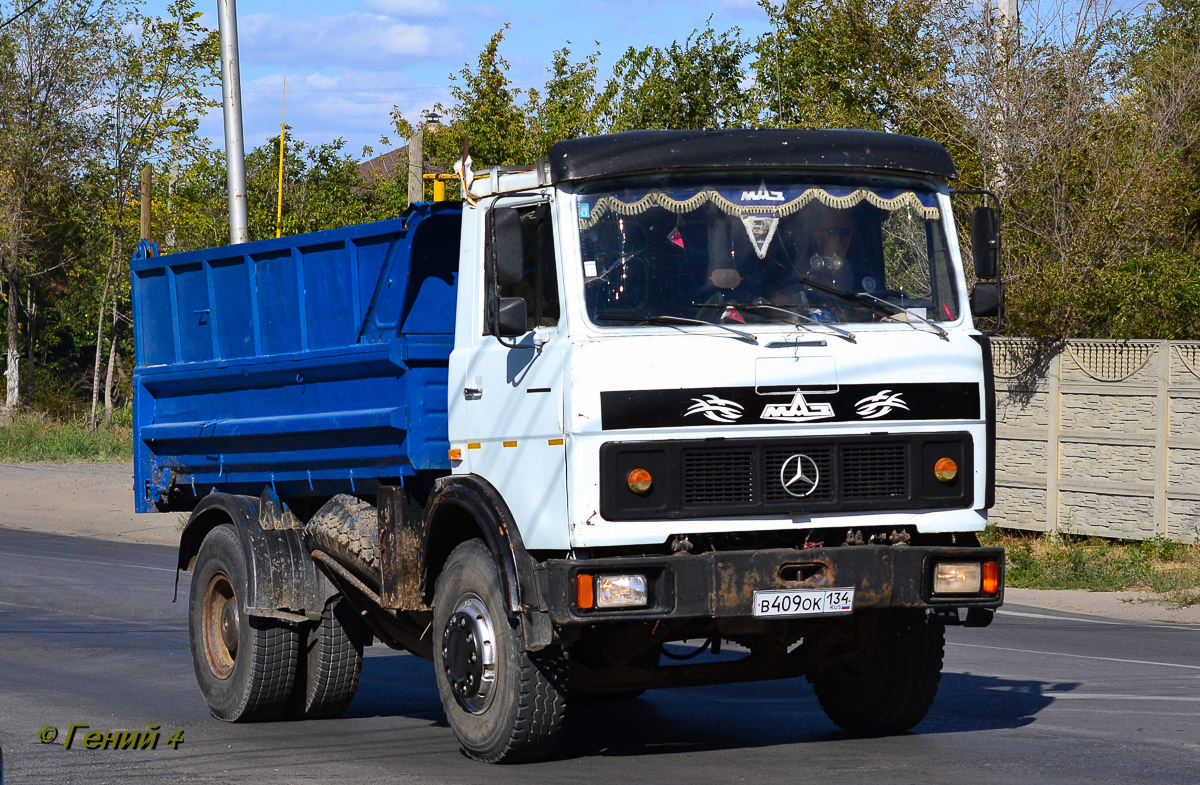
(846, 472)
(718, 476)
(722, 477)
(875, 471)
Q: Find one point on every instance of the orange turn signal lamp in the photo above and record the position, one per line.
(991, 577)
(640, 481)
(945, 469)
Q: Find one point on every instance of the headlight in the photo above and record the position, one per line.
(957, 578)
(620, 591)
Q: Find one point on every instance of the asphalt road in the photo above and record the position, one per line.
(88, 635)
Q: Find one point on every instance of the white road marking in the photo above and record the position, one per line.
(1022, 614)
(84, 561)
(1119, 697)
(1076, 656)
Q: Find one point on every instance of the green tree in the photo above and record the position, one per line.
(55, 60)
(848, 63)
(569, 106)
(152, 105)
(321, 188)
(699, 83)
(488, 112)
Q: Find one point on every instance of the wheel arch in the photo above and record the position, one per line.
(283, 581)
(464, 507)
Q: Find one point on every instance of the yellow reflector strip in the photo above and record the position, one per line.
(555, 442)
(473, 445)
(510, 444)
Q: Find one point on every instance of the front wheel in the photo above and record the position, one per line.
(890, 684)
(245, 665)
(503, 703)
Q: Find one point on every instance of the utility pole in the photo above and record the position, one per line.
(231, 95)
(147, 173)
(172, 179)
(1008, 36)
(416, 167)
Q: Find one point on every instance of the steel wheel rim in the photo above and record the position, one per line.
(469, 654)
(221, 623)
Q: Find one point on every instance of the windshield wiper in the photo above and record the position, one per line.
(878, 303)
(667, 319)
(849, 336)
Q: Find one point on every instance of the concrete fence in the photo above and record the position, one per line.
(1098, 437)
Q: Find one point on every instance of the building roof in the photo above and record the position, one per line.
(393, 163)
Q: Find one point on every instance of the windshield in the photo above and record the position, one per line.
(767, 251)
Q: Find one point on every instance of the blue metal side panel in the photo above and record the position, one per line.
(231, 308)
(316, 364)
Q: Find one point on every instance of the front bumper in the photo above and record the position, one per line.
(721, 584)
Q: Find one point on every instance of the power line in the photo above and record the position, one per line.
(412, 89)
(21, 13)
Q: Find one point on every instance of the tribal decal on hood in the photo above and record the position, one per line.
(733, 406)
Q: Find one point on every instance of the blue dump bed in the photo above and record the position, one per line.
(314, 364)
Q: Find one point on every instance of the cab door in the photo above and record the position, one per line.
(512, 393)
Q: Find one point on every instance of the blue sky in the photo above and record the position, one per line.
(348, 63)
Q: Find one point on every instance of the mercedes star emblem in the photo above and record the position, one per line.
(799, 475)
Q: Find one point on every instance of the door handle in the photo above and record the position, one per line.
(472, 393)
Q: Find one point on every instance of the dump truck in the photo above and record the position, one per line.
(660, 393)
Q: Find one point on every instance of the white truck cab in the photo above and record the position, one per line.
(782, 347)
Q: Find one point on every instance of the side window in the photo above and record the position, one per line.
(538, 286)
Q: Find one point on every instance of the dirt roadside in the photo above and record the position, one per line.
(79, 499)
(96, 500)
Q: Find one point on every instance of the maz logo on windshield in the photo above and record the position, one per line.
(715, 409)
(762, 195)
(880, 404)
(799, 410)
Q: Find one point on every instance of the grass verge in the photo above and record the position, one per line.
(32, 438)
(1169, 569)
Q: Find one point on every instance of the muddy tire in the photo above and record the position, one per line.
(329, 664)
(503, 703)
(245, 665)
(890, 688)
(347, 529)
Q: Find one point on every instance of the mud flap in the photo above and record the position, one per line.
(283, 581)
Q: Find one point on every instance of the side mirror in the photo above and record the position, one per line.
(512, 319)
(985, 242)
(508, 246)
(986, 298)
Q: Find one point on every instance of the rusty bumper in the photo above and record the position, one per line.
(722, 584)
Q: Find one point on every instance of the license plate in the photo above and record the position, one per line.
(803, 602)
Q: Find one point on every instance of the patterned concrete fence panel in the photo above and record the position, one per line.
(1098, 437)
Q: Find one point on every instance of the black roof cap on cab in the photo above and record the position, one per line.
(645, 152)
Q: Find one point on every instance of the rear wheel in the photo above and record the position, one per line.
(245, 665)
(504, 704)
(329, 665)
(890, 685)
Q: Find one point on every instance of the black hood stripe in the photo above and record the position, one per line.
(732, 406)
